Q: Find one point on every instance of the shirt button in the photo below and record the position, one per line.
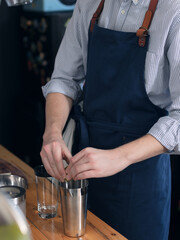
(123, 11)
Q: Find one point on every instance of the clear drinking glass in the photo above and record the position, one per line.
(47, 193)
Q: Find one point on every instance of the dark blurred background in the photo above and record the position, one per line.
(29, 40)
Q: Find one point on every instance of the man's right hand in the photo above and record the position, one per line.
(54, 149)
(53, 152)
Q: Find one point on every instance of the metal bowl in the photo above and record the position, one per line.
(11, 3)
(13, 180)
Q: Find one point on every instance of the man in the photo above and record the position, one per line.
(125, 53)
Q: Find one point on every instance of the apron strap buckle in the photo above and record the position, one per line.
(143, 30)
(142, 33)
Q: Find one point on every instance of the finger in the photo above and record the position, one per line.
(86, 175)
(66, 154)
(57, 156)
(80, 155)
(46, 163)
(49, 155)
(79, 168)
(73, 163)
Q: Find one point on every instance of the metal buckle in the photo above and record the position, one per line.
(145, 33)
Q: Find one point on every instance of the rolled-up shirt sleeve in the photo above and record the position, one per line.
(68, 73)
(167, 129)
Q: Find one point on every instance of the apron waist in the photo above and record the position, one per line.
(103, 135)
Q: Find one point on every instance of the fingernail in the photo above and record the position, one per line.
(67, 168)
(68, 177)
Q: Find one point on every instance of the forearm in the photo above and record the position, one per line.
(139, 150)
(54, 149)
(58, 107)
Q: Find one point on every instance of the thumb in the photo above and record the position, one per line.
(66, 154)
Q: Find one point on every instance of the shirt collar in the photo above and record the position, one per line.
(135, 1)
(144, 3)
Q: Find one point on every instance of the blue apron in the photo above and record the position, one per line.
(117, 110)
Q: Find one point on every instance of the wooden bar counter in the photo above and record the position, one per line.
(52, 229)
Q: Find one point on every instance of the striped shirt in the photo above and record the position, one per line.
(162, 66)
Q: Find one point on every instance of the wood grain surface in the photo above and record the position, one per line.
(52, 229)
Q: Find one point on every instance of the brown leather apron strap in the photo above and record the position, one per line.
(142, 32)
(96, 15)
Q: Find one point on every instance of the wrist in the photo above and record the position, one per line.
(54, 128)
(52, 132)
(123, 159)
(139, 150)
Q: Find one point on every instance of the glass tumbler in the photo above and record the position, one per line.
(47, 193)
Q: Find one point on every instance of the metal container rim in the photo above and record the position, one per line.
(78, 184)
